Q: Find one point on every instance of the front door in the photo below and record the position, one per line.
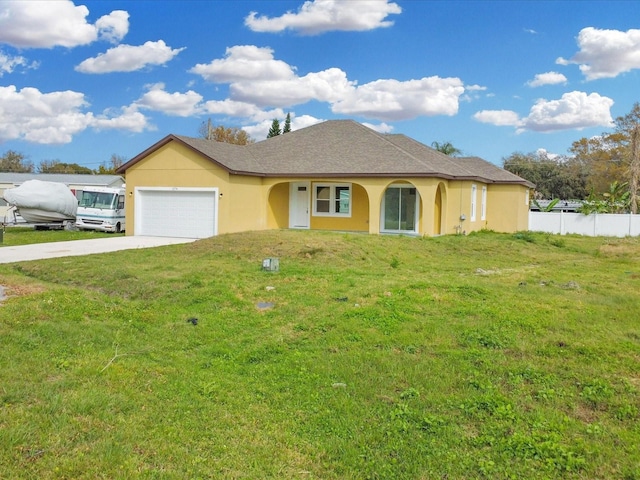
(299, 205)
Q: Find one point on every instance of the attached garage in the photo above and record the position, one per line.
(176, 212)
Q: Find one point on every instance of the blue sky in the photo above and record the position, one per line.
(80, 81)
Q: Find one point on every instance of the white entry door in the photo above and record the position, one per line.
(299, 195)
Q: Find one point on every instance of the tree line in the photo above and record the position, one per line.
(16, 162)
(603, 171)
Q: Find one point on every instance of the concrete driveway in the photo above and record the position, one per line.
(38, 251)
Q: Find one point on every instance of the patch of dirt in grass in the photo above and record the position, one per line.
(620, 249)
(585, 414)
(8, 290)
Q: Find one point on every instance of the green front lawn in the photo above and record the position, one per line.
(483, 356)
(13, 236)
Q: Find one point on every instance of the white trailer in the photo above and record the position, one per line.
(101, 208)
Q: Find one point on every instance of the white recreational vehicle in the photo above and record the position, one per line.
(101, 208)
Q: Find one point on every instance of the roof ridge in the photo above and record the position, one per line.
(423, 162)
(384, 137)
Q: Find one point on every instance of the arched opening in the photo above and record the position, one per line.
(400, 209)
(278, 206)
(437, 212)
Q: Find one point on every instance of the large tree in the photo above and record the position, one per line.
(287, 124)
(12, 161)
(634, 169)
(56, 166)
(609, 157)
(220, 133)
(447, 148)
(274, 131)
(110, 167)
(558, 177)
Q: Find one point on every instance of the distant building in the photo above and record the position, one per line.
(561, 206)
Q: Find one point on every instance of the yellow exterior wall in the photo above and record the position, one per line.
(458, 204)
(256, 203)
(245, 205)
(174, 165)
(507, 210)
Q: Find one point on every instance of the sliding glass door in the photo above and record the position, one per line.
(400, 209)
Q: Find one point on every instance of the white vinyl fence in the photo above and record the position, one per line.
(594, 225)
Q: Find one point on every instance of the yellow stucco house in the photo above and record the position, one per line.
(336, 175)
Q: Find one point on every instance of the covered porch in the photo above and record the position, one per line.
(375, 206)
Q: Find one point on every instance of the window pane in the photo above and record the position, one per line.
(342, 199)
(392, 209)
(322, 206)
(323, 193)
(408, 209)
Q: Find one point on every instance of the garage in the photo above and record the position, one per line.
(176, 212)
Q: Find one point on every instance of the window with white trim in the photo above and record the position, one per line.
(483, 204)
(474, 190)
(332, 199)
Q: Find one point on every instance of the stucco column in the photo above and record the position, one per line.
(374, 193)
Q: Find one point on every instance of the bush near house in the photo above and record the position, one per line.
(481, 356)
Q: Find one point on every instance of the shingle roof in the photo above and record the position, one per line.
(339, 148)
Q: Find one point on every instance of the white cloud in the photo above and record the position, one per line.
(245, 63)
(9, 63)
(113, 27)
(318, 16)
(574, 111)
(260, 130)
(396, 100)
(326, 86)
(128, 58)
(548, 78)
(380, 128)
(304, 121)
(48, 24)
(472, 92)
(54, 118)
(500, 118)
(543, 153)
(41, 117)
(255, 77)
(128, 118)
(606, 53)
(176, 104)
(232, 108)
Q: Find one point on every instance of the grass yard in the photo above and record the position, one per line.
(484, 356)
(13, 236)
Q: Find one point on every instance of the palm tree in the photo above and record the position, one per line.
(447, 148)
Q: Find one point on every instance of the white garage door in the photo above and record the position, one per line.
(176, 212)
